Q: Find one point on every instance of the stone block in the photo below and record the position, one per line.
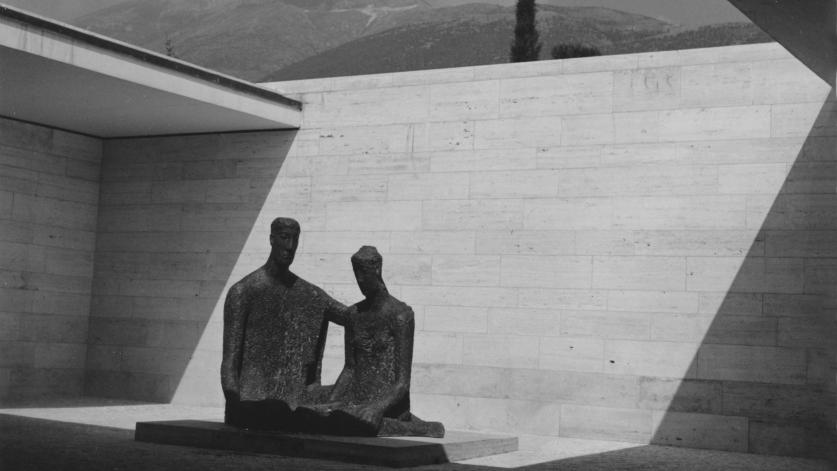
(500, 351)
(811, 332)
(605, 324)
(459, 380)
(571, 354)
(428, 186)
(747, 363)
(728, 212)
(526, 242)
(545, 271)
(771, 438)
(786, 80)
(482, 160)
(568, 213)
(475, 215)
(636, 127)
(67, 304)
(432, 242)
(437, 348)
(628, 425)
(514, 184)
(752, 179)
(665, 273)
(33, 382)
(792, 404)
(680, 395)
(60, 355)
(792, 212)
(128, 385)
(568, 387)
(810, 177)
(17, 354)
(349, 188)
(743, 330)
(752, 274)
(368, 106)
(671, 327)
(374, 216)
(662, 359)
(383, 139)
(466, 270)
(716, 123)
(580, 65)
(368, 164)
(67, 214)
(531, 322)
(668, 243)
(53, 328)
(557, 95)
(538, 298)
(582, 130)
(735, 304)
(448, 136)
(646, 89)
(465, 100)
(468, 296)
(392, 452)
(714, 432)
(802, 120)
(455, 319)
(715, 85)
(518, 134)
(637, 181)
(156, 360)
(342, 242)
(557, 157)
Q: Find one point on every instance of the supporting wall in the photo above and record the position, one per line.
(49, 193)
(175, 213)
(628, 247)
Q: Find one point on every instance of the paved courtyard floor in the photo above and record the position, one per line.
(95, 434)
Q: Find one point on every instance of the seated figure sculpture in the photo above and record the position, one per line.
(274, 335)
(372, 393)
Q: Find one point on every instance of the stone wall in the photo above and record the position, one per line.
(630, 247)
(175, 214)
(49, 193)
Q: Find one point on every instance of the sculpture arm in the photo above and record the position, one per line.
(346, 375)
(403, 330)
(234, 321)
(335, 311)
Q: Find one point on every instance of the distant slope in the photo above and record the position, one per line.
(284, 39)
(459, 43)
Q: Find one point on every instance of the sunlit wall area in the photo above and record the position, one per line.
(49, 194)
(596, 248)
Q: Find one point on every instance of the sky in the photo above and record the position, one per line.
(685, 12)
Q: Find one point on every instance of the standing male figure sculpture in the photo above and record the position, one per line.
(274, 335)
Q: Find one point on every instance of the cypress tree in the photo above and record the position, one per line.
(525, 46)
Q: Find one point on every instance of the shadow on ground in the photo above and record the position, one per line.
(38, 444)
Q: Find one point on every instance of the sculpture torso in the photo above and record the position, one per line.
(283, 338)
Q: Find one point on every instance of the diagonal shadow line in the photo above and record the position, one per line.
(764, 372)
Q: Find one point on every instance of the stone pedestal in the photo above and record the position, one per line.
(394, 452)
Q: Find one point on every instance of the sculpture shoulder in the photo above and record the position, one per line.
(402, 313)
(311, 289)
(253, 280)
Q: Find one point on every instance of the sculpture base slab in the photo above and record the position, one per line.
(394, 452)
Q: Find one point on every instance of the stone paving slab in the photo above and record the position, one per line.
(397, 452)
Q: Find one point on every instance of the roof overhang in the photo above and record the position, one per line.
(64, 77)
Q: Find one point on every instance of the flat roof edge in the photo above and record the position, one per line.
(146, 56)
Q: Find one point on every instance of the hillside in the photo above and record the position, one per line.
(450, 44)
(282, 39)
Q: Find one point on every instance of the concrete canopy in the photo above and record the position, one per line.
(67, 78)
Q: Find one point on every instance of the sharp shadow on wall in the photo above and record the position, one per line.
(175, 215)
(765, 368)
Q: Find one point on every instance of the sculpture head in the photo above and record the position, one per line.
(367, 264)
(284, 238)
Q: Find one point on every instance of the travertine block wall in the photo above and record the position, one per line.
(631, 247)
(49, 193)
(175, 213)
